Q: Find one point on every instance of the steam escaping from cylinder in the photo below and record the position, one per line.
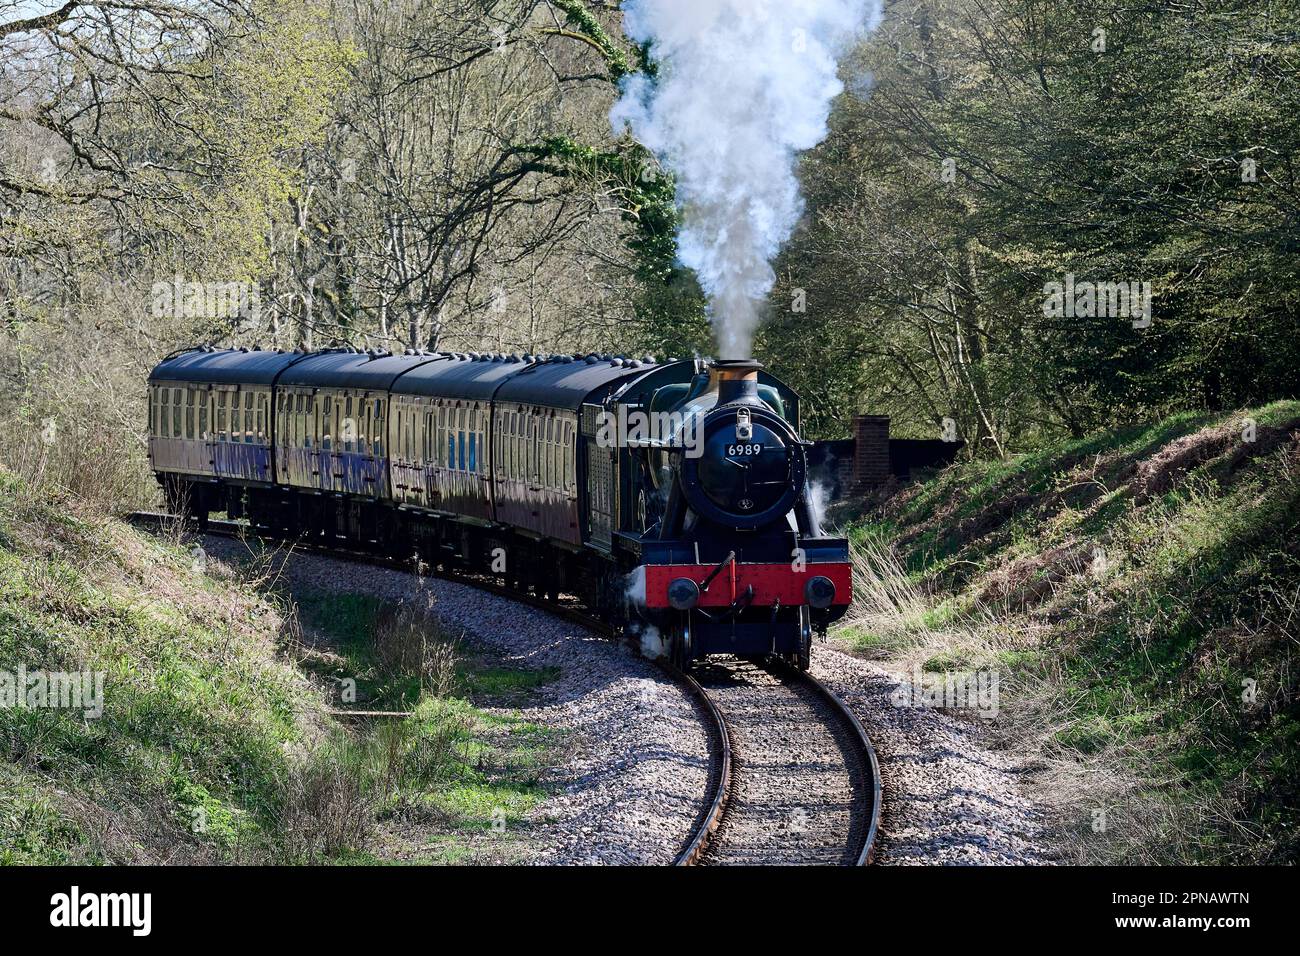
(744, 85)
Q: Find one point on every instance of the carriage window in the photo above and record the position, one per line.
(473, 441)
(570, 456)
(517, 440)
(528, 443)
(544, 454)
(438, 445)
(532, 449)
(499, 446)
(203, 416)
(550, 454)
(348, 430)
(326, 423)
(497, 439)
(520, 426)
(521, 459)
(418, 413)
(507, 447)
(448, 441)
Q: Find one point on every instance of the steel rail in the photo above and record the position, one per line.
(869, 816)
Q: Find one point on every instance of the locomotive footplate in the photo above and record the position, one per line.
(772, 584)
(744, 608)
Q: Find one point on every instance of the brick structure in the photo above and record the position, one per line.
(870, 451)
(855, 466)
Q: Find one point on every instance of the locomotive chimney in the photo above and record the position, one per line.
(736, 381)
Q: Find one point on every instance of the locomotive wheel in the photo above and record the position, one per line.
(803, 653)
(682, 643)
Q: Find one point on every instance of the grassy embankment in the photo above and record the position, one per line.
(1138, 593)
(216, 742)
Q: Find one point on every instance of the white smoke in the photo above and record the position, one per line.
(744, 85)
(819, 499)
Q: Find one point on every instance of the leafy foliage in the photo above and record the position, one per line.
(984, 150)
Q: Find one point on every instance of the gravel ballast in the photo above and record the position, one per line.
(948, 799)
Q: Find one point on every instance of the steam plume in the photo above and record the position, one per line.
(744, 85)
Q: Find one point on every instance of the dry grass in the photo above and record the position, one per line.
(906, 627)
(1103, 806)
(326, 807)
(409, 640)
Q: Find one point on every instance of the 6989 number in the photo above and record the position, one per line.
(745, 450)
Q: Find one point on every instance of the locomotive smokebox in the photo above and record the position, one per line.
(735, 381)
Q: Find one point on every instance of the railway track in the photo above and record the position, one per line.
(806, 782)
(795, 781)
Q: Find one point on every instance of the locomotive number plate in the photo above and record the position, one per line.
(745, 450)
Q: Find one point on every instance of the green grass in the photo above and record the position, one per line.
(33, 830)
(214, 745)
(471, 770)
(1185, 648)
(351, 622)
(197, 718)
(504, 683)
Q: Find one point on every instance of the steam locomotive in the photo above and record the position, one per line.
(671, 497)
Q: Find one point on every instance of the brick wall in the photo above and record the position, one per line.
(870, 451)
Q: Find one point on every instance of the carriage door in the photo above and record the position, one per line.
(601, 474)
